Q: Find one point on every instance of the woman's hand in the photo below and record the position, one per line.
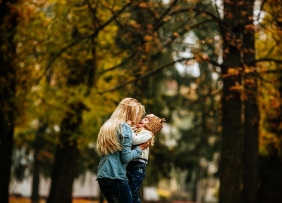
(145, 145)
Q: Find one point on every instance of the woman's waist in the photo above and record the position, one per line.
(145, 161)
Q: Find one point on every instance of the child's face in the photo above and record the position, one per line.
(143, 122)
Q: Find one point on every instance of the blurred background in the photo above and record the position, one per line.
(212, 68)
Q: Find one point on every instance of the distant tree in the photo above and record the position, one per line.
(270, 105)
(8, 25)
(239, 151)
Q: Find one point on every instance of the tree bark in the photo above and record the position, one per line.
(66, 157)
(270, 180)
(101, 197)
(36, 178)
(251, 110)
(230, 166)
(38, 145)
(8, 23)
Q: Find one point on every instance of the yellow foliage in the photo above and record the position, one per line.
(268, 45)
(234, 71)
(148, 38)
(175, 34)
(49, 27)
(143, 5)
(164, 193)
(237, 88)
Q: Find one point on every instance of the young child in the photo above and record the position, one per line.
(145, 131)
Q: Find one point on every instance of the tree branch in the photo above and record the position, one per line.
(252, 63)
(115, 16)
(58, 54)
(93, 13)
(95, 33)
(268, 81)
(260, 11)
(120, 64)
(160, 22)
(146, 75)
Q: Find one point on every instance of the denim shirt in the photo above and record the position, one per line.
(114, 165)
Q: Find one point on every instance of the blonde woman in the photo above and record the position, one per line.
(114, 145)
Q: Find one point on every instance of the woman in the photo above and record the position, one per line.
(114, 145)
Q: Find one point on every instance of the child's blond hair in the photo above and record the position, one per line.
(128, 109)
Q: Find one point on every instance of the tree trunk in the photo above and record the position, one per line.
(38, 145)
(63, 173)
(101, 197)
(271, 165)
(66, 157)
(270, 180)
(230, 166)
(251, 111)
(8, 23)
(36, 178)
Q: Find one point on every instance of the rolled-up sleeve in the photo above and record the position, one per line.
(127, 154)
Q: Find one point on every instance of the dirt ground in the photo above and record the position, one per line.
(27, 200)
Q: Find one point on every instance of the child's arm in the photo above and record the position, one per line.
(141, 137)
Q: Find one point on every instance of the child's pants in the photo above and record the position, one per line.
(135, 172)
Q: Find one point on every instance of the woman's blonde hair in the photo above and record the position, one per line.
(129, 109)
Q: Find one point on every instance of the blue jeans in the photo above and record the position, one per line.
(135, 172)
(115, 191)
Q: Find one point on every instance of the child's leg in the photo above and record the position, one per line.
(135, 173)
(115, 190)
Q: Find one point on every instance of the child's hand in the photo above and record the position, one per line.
(150, 142)
(129, 122)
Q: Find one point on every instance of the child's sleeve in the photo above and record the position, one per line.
(141, 137)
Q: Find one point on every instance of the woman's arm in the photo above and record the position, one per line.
(127, 154)
(141, 137)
